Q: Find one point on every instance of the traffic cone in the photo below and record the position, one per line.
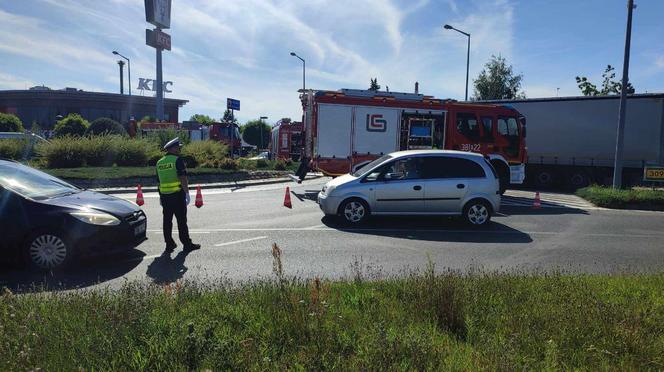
(287, 201)
(199, 197)
(537, 204)
(139, 196)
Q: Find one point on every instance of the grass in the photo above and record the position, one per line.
(637, 198)
(423, 321)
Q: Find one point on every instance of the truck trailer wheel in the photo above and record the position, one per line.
(577, 179)
(545, 179)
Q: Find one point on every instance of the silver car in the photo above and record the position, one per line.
(421, 182)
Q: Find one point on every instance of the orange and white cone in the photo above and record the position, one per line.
(139, 196)
(199, 197)
(537, 203)
(287, 201)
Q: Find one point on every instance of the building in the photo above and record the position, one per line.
(42, 105)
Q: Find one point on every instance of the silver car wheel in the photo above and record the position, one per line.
(47, 251)
(478, 214)
(354, 211)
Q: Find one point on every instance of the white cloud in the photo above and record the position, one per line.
(659, 62)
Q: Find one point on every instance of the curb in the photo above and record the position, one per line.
(220, 185)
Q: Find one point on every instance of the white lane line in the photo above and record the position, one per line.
(241, 241)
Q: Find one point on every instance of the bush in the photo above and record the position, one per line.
(105, 126)
(154, 155)
(204, 153)
(228, 164)
(65, 152)
(246, 164)
(72, 125)
(261, 163)
(15, 149)
(280, 165)
(161, 137)
(133, 153)
(10, 123)
(101, 151)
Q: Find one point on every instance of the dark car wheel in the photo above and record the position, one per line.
(48, 250)
(477, 213)
(354, 211)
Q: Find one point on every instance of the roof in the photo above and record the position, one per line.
(435, 152)
(71, 94)
(572, 98)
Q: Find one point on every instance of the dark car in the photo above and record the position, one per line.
(48, 223)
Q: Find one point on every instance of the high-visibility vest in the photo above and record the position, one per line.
(169, 182)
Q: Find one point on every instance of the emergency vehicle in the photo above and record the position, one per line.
(287, 140)
(345, 129)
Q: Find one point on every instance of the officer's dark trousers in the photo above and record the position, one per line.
(174, 204)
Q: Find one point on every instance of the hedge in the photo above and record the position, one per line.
(102, 126)
(72, 152)
(15, 149)
(10, 123)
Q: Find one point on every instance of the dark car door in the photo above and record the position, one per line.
(13, 220)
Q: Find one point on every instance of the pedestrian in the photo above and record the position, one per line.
(174, 195)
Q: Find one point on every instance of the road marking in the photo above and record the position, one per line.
(241, 241)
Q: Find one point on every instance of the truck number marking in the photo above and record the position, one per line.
(471, 147)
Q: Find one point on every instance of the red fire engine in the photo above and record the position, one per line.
(287, 140)
(345, 129)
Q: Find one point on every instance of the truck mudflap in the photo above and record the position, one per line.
(517, 174)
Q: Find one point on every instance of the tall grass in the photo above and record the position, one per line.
(423, 321)
(15, 149)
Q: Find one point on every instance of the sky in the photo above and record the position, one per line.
(241, 49)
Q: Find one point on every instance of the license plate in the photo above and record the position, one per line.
(140, 229)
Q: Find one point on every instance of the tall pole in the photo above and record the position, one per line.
(467, 66)
(448, 27)
(129, 75)
(617, 167)
(121, 65)
(160, 90)
(304, 65)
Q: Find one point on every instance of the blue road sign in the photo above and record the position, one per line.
(233, 104)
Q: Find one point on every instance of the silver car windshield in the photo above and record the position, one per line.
(32, 183)
(359, 172)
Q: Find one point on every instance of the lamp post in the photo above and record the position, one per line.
(448, 27)
(263, 118)
(303, 69)
(121, 64)
(617, 166)
(128, 69)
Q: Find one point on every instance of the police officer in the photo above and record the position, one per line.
(174, 195)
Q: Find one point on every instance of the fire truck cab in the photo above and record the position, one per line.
(345, 129)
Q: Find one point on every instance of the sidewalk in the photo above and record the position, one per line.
(214, 185)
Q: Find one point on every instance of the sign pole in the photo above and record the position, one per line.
(160, 90)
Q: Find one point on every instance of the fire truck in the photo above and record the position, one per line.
(287, 140)
(347, 128)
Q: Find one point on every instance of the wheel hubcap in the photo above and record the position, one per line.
(354, 211)
(48, 251)
(478, 214)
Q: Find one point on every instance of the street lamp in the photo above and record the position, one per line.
(263, 118)
(128, 69)
(448, 27)
(303, 68)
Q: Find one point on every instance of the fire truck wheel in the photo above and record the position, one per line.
(354, 211)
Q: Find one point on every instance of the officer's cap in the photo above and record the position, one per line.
(174, 142)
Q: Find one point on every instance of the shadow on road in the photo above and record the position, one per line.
(439, 229)
(165, 269)
(83, 274)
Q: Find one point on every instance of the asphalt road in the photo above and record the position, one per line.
(238, 226)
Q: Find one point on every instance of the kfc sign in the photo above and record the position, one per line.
(150, 84)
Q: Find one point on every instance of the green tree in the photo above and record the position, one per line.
(609, 85)
(497, 81)
(72, 125)
(202, 119)
(229, 117)
(105, 126)
(10, 123)
(373, 85)
(256, 133)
